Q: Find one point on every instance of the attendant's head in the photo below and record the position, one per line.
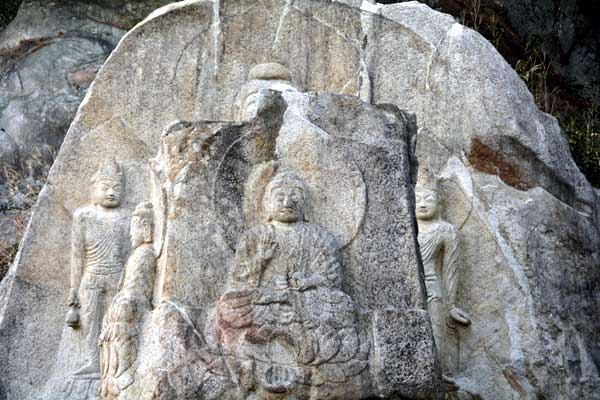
(285, 198)
(142, 225)
(427, 197)
(108, 185)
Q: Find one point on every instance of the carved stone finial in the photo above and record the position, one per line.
(270, 71)
(112, 170)
(273, 76)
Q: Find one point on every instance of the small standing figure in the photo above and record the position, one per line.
(98, 249)
(118, 340)
(438, 241)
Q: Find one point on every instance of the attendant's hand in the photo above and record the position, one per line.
(269, 296)
(73, 300)
(458, 315)
(302, 281)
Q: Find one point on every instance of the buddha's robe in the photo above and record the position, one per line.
(293, 301)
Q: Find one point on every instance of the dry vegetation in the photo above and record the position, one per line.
(19, 189)
(579, 118)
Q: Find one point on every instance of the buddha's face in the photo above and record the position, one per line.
(427, 204)
(286, 204)
(108, 192)
(140, 231)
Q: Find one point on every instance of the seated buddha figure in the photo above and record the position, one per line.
(284, 320)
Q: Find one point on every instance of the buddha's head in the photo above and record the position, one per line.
(286, 198)
(142, 225)
(427, 197)
(108, 185)
(272, 76)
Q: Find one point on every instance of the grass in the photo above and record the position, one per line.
(579, 120)
(536, 71)
(582, 129)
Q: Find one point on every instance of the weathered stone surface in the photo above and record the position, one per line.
(520, 205)
(526, 218)
(307, 305)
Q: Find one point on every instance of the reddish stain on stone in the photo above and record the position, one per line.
(485, 159)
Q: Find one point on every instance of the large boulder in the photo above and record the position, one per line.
(527, 219)
(49, 55)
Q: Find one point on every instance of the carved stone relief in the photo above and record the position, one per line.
(99, 247)
(265, 306)
(536, 319)
(97, 257)
(284, 322)
(439, 246)
(264, 251)
(119, 338)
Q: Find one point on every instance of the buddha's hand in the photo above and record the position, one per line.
(458, 315)
(265, 248)
(234, 309)
(73, 300)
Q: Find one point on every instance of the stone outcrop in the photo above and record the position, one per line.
(49, 55)
(525, 217)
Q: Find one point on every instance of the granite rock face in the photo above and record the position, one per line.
(520, 206)
(526, 220)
